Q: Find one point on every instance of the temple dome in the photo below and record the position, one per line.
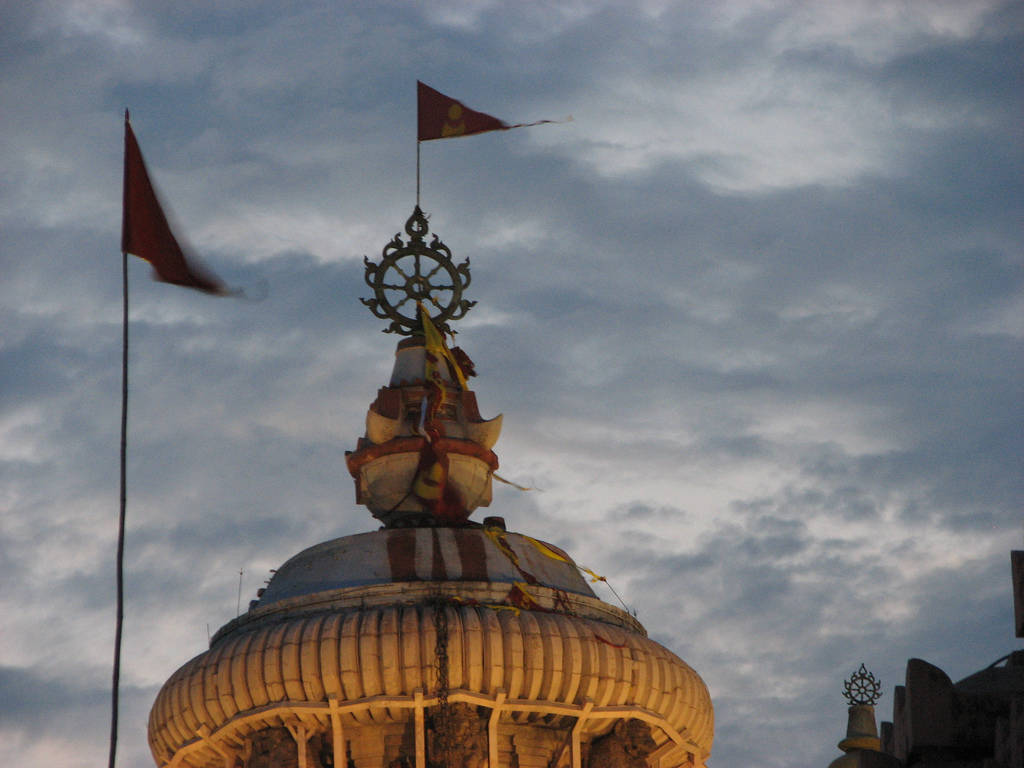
(435, 641)
(349, 627)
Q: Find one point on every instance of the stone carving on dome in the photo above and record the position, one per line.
(467, 744)
(627, 745)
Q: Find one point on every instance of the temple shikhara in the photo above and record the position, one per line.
(438, 639)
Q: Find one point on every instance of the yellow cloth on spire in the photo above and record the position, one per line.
(429, 483)
(544, 549)
(436, 348)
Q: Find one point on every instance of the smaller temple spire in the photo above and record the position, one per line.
(862, 746)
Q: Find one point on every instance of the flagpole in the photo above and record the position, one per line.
(116, 682)
(146, 234)
(417, 144)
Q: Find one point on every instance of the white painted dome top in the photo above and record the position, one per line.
(471, 554)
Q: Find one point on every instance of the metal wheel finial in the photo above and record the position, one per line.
(862, 688)
(415, 272)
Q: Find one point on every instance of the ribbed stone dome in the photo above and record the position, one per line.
(344, 643)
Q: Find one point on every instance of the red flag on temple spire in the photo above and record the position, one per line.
(144, 229)
(442, 117)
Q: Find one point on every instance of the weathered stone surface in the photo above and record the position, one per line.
(1009, 736)
(277, 748)
(898, 746)
(976, 723)
(467, 743)
(273, 748)
(974, 729)
(865, 758)
(929, 710)
(626, 746)
(886, 738)
(862, 746)
(861, 732)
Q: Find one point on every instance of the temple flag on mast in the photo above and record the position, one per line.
(442, 117)
(145, 232)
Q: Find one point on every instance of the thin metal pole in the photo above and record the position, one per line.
(116, 684)
(417, 173)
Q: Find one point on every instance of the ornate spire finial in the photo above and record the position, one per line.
(862, 688)
(414, 272)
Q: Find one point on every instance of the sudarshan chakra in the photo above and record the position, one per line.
(412, 273)
(862, 688)
(435, 641)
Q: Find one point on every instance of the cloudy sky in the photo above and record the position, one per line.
(754, 318)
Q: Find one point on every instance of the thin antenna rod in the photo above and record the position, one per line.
(238, 607)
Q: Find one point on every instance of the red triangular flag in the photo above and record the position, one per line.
(442, 117)
(144, 229)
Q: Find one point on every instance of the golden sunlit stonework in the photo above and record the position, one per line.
(434, 641)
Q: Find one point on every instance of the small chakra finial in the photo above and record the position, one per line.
(862, 688)
(416, 272)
